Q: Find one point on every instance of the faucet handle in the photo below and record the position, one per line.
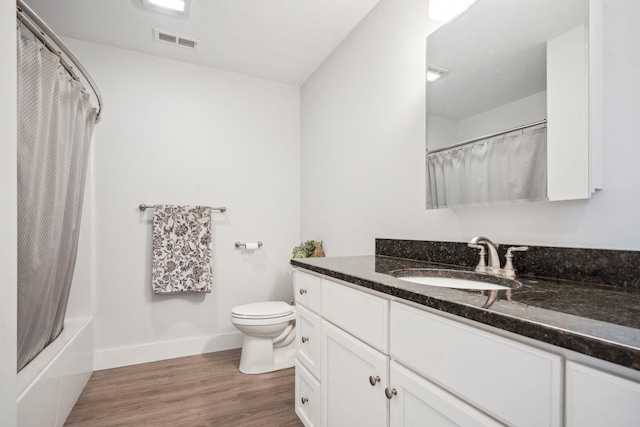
(517, 248)
(508, 270)
(482, 266)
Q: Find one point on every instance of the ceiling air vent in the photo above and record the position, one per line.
(187, 42)
(165, 37)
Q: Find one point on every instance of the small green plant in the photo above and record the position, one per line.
(308, 249)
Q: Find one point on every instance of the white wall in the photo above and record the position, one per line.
(8, 261)
(443, 132)
(362, 148)
(174, 133)
(525, 110)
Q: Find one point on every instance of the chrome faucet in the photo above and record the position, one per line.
(493, 260)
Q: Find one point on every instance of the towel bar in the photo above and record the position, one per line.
(144, 207)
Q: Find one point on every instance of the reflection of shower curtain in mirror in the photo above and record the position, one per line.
(507, 168)
(55, 123)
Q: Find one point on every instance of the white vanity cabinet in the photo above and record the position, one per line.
(596, 398)
(342, 354)
(382, 361)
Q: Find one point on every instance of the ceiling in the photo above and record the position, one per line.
(278, 40)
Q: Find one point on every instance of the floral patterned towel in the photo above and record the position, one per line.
(181, 260)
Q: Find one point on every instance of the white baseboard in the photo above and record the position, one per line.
(153, 352)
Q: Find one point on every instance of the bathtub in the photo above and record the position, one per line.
(50, 384)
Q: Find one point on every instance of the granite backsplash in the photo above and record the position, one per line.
(589, 266)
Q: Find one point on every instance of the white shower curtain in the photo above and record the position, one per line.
(507, 168)
(55, 124)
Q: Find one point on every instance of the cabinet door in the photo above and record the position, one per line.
(595, 398)
(353, 380)
(308, 339)
(417, 402)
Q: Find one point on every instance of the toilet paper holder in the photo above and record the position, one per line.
(251, 245)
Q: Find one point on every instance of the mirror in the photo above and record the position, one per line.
(505, 64)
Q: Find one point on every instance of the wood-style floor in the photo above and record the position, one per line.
(204, 390)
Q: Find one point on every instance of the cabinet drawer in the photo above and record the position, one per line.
(307, 397)
(306, 291)
(517, 384)
(363, 315)
(308, 339)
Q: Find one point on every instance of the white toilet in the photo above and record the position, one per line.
(269, 333)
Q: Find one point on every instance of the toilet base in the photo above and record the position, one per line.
(259, 356)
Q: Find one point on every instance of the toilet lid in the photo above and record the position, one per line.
(262, 310)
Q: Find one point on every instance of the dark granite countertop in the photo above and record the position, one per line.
(596, 320)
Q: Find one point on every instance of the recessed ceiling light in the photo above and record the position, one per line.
(434, 73)
(173, 7)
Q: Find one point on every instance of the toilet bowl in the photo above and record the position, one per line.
(269, 332)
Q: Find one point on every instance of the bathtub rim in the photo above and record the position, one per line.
(35, 369)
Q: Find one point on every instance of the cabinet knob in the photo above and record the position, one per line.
(304, 400)
(374, 380)
(302, 291)
(390, 392)
(305, 339)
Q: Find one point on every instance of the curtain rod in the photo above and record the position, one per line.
(41, 30)
(470, 141)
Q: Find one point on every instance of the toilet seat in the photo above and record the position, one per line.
(263, 310)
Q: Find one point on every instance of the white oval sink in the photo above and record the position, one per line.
(450, 282)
